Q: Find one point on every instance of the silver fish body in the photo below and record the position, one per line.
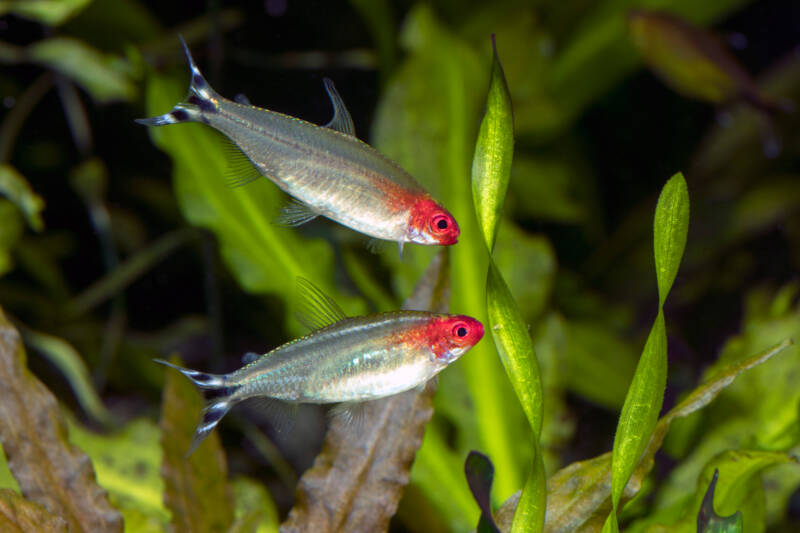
(355, 359)
(327, 170)
(349, 360)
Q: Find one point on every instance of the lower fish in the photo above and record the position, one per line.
(327, 170)
(344, 360)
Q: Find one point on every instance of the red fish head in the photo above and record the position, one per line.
(454, 335)
(432, 224)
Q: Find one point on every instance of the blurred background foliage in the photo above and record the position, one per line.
(115, 249)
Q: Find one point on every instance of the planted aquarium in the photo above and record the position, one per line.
(399, 266)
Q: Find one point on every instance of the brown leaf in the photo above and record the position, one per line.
(196, 488)
(20, 515)
(578, 495)
(49, 470)
(357, 480)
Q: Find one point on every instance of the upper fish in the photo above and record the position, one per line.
(344, 359)
(327, 170)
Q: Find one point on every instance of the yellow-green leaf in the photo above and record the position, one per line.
(105, 76)
(491, 164)
(50, 12)
(14, 187)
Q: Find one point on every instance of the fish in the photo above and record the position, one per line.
(695, 63)
(327, 170)
(343, 360)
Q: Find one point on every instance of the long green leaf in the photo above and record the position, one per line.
(646, 393)
(70, 363)
(14, 186)
(579, 494)
(427, 121)
(491, 164)
(491, 170)
(106, 77)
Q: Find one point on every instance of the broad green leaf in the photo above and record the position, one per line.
(670, 228)
(106, 77)
(494, 150)
(70, 363)
(49, 469)
(196, 488)
(708, 521)
(263, 256)
(128, 465)
(50, 12)
(579, 495)
(20, 515)
(646, 393)
(14, 187)
(426, 121)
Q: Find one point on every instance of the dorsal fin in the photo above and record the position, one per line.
(316, 309)
(341, 121)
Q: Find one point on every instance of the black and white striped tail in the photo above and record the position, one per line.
(201, 99)
(217, 407)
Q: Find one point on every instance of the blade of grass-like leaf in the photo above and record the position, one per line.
(491, 170)
(578, 495)
(358, 478)
(106, 77)
(14, 187)
(425, 121)
(494, 150)
(646, 393)
(49, 12)
(49, 470)
(263, 256)
(196, 488)
(130, 270)
(71, 365)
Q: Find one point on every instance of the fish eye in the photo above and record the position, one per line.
(460, 330)
(440, 222)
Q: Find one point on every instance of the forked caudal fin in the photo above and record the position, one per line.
(201, 98)
(217, 406)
